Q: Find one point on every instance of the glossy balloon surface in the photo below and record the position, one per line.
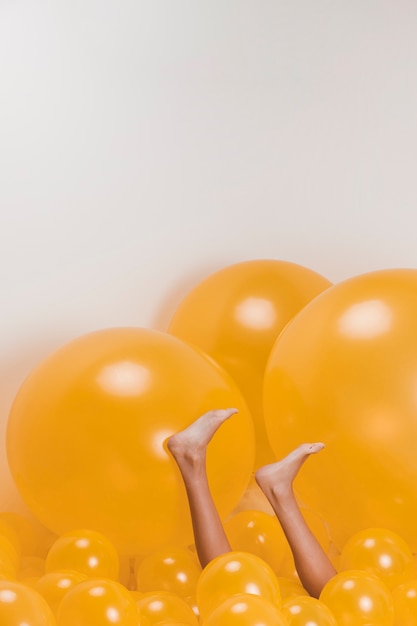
(170, 569)
(235, 316)
(162, 607)
(55, 585)
(380, 551)
(306, 611)
(245, 610)
(358, 598)
(98, 602)
(235, 573)
(344, 371)
(86, 434)
(20, 605)
(85, 551)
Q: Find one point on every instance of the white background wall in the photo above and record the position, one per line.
(145, 144)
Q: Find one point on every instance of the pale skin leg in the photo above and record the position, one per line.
(188, 447)
(313, 565)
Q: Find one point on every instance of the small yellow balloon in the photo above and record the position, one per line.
(98, 601)
(172, 569)
(258, 533)
(236, 314)
(235, 573)
(20, 605)
(306, 611)
(245, 610)
(405, 603)
(358, 598)
(85, 551)
(55, 585)
(381, 552)
(162, 607)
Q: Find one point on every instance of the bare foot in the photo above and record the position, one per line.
(277, 478)
(189, 445)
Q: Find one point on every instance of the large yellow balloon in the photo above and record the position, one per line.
(86, 433)
(344, 371)
(236, 314)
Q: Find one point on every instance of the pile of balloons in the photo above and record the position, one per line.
(302, 360)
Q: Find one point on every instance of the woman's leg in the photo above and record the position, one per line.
(188, 447)
(313, 566)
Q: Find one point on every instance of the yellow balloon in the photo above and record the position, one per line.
(85, 438)
(306, 611)
(381, 552)
(344, 371)
(173, 569)
(236, 314)
(235, 573)
(85, 551)
(98, 601)
(405, 603)
(55, 585)
(358, 598)
(245, 610)
(259, 533)
(162, 607)
(19, 604)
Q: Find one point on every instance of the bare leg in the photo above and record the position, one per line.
(188, 447)
(313, 566)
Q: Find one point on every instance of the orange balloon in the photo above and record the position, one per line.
(20, 605)
(245, 610)
(358, 598)
(235, 573)
(259, 533)
(172, 569)
(86, 433)
(55, 585)
(344, 371)
(98, 601)
(381, 552)
(306, 611)
(163, 607)
(85, 551)
(405, 603)
(236, 314)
